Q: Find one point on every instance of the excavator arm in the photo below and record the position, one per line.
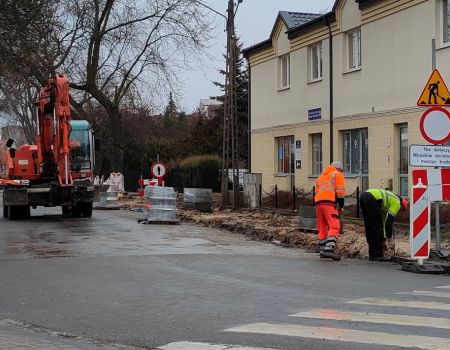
(54, 130)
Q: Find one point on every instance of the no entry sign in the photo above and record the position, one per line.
(435, 125)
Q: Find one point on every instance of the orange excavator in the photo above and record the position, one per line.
(43, 174)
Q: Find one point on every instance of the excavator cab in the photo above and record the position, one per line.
(82, 150)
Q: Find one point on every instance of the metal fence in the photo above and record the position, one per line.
(297, 197)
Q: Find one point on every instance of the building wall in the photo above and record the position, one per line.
(396, 63)
(383, 149)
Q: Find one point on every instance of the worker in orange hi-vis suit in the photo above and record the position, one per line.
(329, 200)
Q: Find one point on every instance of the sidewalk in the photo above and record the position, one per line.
(14, 336)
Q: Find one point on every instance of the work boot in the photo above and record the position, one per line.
(330, 244)
(322, 244)
(329, 251)
(378, 258)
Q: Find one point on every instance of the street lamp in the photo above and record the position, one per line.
(230, 120)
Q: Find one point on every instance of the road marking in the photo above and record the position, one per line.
(401, 303)
(403, 320)
(187, 345)
(426, 293)
(346, 335)
(444, 287)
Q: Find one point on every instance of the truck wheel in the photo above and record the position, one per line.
(66, 209)
(86, 210)
(26, 211)
(5, 211)
(13, 212)
(76, 210)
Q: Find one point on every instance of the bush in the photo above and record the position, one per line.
(201, 171)
(203, 162)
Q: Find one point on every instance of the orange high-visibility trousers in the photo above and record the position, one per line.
(327, 218)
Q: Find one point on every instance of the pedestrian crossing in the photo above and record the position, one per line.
(407, 302)
(401, 303)
(426, 293)
(348, 335)
(186, 345)
(444, 287)
(352, 316)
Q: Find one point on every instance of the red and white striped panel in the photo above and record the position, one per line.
(437, 180)
(420, 235)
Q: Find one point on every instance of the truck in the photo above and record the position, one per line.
(55, 171)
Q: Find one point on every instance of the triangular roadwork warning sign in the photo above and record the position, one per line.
(435, 92)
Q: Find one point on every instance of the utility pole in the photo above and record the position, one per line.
(230, 150)
(230, 145)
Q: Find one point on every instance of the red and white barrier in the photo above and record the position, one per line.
(420, 235)
(142, 183)
(437, 181)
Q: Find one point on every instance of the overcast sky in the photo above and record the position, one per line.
(254, 22)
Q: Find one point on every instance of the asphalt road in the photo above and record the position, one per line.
(112, 280)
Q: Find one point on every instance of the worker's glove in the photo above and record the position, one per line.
(389, 249)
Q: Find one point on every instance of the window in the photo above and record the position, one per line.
(446, 20)
(285, 154)
(285, 79)
(316, 61)
(354, 49)
(403, 157)
(316, 141)
(356, 152)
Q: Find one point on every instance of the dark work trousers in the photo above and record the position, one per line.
(373, 223)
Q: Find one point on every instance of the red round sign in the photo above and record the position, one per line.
(435, 125)
(158, 170)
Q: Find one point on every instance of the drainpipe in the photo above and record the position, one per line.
(249, 119)
(330, 40)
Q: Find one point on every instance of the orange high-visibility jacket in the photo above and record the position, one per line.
(329, 186)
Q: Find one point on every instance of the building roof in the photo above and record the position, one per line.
(295, 19)
(365, 3)
(298, 23)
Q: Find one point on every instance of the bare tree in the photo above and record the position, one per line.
(134, 43)
(109, 48)
(38, 37)
(17, 100)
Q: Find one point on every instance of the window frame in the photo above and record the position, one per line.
(316, 159)
(348, 162)
(403, 158)
(353, 44)
(316, 59)
(287, 143)
(445, 12)
(284, 72)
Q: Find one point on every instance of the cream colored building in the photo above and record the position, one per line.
(382, 56)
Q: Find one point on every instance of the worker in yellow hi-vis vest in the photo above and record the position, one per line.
(379, 209)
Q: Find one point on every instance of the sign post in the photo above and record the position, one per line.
(430, 185)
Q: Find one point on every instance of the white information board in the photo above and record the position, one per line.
(429, 156)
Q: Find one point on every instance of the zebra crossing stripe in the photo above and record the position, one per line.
(426, 293)
(369, 317)
(401, 303)
(346, 335)
(444, 287)
(187, 345)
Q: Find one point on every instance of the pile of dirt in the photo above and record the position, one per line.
(284, 229)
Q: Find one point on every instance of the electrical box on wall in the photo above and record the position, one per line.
(387, 184)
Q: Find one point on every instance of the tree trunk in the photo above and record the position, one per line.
(118, 139)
